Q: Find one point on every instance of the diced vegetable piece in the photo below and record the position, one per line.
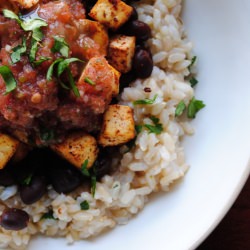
(21, 152)
(121, 52)
(26, 4)
(115, 84)
(112, 14)
(118, 126)
(77, 148)
(8, 147)
(97, 32)
(93, 75)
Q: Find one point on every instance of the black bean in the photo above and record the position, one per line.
(65, 179)
(6, 178)
(103, 162)
(142, 63)
(137, 28)
(14, 219)
(33, 191)
(134, 15)
(126, 79)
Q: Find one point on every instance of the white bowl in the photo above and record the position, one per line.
(218, 152)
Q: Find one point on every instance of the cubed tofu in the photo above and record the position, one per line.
(21, 152)
(97, 32)
(26, 4)
(111, 13)
(115, 83)
(77, 148)
(121, 52)
(8, 147)
(118, 126)
(111, 74)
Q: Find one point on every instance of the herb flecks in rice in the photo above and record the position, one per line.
(154, 162)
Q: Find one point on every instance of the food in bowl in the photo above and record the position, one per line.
(95, 99)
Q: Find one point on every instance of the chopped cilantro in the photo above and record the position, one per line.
(51, 69)
(180, 108)
(193, 81)
(84, 205)
(33, 50)
(138, 129)
(93, 185)
(61, 46)
(18, 51)
(49, 215)
(193, 60)
(27, 180)
(72, 84)
(8, 78)
(145, 101)
(64, 64)
(41, 60)
(89, 81)
(193, 107)
(157, 128)
(84, 168)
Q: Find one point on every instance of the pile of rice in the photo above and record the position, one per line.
(152, 165)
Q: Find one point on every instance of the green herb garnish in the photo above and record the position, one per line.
(180, 108)
(72, 84)
(157, 128)
(28, 25)
(33, 50)
(84, 168)
(41, 60)
(18, 51)
(89, 81)
(47, 135)
(193, 60)
(60, 46)
(93, 185)
(64, 64)
(8, 78)
(84, 205)
(193, 107)
(27, 180)
(145, 101)
(51, 69)
(49, 215)
(138, 129)
(193, 81)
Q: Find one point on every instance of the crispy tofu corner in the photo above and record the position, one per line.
(121, 52)
(118, 126)
(8, 147)
(112, 13)
(77, 148)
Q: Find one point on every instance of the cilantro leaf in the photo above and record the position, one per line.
(49, 215)
(8, 78)
(145, 101)
(51, 69)
(72, 84)
(93, 185)
(33, 24)
(84, 205)
(33, 50)
(138, 129)
(41, 60)
(193, 60)
(61, 46)
(84, 168)
(10, 14)
(27, 180)
(18, 51)
(37, 34)
(193, 81)
(193, 107)
(157, 128)
(64, 64)
(89, 81)
(180, 108)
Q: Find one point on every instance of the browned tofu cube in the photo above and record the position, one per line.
(77, 148)
(118, 126)
(26, 4)
(111, 13)
(8, 147)
(121, 52)
(97, 64)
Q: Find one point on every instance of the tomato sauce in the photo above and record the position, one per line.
(37, 103)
